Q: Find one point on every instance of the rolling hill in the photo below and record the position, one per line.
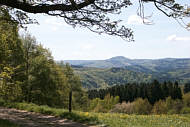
(101, 77)
(120, 70)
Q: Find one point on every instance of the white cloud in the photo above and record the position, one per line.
(54, 28)
(54, 21)
(177, 38)
(137, 20)
(87, 47)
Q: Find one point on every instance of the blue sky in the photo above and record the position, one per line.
(164, 39)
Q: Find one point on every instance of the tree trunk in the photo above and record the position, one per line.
(70, 101)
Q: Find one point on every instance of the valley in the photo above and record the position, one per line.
(120, 70)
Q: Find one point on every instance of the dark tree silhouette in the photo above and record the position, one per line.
(153, 91)
(186, 88)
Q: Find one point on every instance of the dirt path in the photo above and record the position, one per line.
(30, 119)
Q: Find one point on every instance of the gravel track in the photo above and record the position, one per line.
(31, 119)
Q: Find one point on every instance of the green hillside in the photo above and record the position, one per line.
(100, 78)
(121, 70)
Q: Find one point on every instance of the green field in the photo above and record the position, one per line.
(123, 120)
(110, 119)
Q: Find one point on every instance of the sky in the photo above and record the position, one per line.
(165, 38)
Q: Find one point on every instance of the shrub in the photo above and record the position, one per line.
(160, 107)
(178, 105)
(185, 110)
(139, 106)
(124, 107)
(174, 106)
(142, 106)
(100, 108)
(105, 105)
(186, 99)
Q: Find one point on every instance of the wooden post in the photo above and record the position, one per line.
(70, 101)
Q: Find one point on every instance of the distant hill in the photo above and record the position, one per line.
(101, 77)
(119, 61)
(118, 70)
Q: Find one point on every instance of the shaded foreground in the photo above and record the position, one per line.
(31, 119)
(6, 123)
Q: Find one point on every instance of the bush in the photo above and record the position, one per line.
(105, 105)
(174, 106)
(139, 106)
(124, 107)
(178, 105)
(160, 107)
(185, 110)
(186, 99)
(142, 106)
(100, 108)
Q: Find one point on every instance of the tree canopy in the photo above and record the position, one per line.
(29, 73)
(92, 14)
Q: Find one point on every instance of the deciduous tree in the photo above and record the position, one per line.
(73, 81)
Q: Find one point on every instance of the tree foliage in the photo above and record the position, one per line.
(186, 88)
(73, 83)
(28, 71)
(103, 105)
(95, 15)
(152, 91)
(11, 56)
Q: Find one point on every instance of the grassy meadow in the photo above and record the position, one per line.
(109, 119)
(124, 120)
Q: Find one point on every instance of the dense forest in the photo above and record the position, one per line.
(28, 72)
(154, 91)
(143, 98)
(106, 77)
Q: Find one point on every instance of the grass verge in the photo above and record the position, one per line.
(77, 116)
(109, 119)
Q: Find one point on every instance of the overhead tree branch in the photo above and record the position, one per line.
(96, 15)
(44, 8)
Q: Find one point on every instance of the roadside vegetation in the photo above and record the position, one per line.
(109, 119)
